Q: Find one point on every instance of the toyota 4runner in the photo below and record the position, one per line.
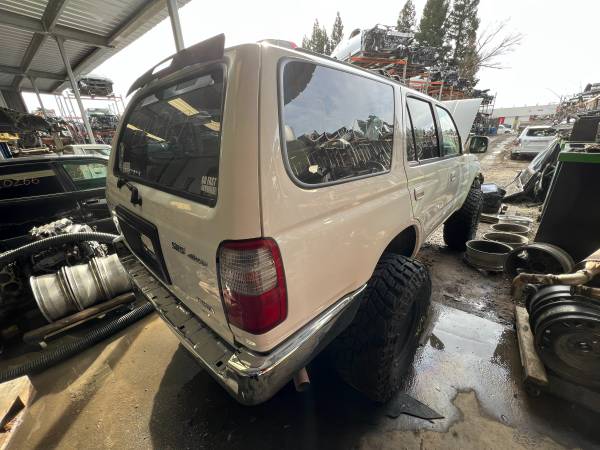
(272, 201)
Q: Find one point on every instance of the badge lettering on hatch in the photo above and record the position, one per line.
(181, 249)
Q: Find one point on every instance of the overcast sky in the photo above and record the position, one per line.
(558, 54)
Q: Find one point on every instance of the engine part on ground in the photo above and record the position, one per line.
(511, 239)
(492, 197)
(51, 357)
(567, 339)
(66, 323)
(49, 260)
(76, 288)
(11, 287)
(519, 220)
(547, 264)
(487, 255)
(511, 228)
(35, 247)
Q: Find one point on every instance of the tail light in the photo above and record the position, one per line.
(252, 284)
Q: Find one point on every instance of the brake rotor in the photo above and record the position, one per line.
(538, 258)
(567, 339)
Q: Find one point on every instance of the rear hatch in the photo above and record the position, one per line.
(168, 189)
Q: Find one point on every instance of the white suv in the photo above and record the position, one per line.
(273, 201)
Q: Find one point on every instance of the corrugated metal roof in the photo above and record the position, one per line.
(98, 17)
(48, 59)
(11, 55)
(94, 31)
(29, 8)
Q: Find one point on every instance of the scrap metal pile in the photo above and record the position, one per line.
(400, 56)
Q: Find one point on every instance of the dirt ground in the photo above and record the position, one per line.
(141, 389)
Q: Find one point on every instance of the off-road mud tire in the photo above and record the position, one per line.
(462, 225)
(378, 347)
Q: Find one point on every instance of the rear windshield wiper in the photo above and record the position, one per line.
(135, 198)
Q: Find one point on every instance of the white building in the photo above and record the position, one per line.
(521, 115)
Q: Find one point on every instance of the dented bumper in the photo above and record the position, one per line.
(250, 377)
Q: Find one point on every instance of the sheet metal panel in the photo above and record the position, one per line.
(13, 43)
(29, 8)
(48, 58)
(101, 18)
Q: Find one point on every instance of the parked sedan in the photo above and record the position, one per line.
(533, 140)
(40, 189)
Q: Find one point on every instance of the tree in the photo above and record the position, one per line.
(463, 24)
(337, 32)
(495, 41)
(432, 27)
(407, 18)
(318, 41)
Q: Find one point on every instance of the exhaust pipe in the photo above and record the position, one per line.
(301, 380)
(76, 288)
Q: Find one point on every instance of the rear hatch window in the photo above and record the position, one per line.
(171, 139)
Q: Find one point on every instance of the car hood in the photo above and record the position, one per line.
(463, 112)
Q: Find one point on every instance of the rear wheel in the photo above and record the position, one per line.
(378, 347)
(462, 225)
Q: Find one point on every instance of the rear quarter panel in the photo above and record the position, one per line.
(330, 237)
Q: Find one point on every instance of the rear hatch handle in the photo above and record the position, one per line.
(136, 198)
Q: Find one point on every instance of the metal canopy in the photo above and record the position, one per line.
(91, 30)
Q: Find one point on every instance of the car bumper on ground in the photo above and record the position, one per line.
(250, 377)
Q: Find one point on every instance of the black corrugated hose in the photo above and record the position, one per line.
(70, 238)
(52, 357)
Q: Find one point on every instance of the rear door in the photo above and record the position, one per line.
(432, 178)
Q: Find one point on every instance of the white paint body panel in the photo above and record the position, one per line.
(330, 238)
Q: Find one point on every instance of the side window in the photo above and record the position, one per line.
(86, 175)
(28, 181)
(411, 151)
(423, 123)
(450, 136)
(335, 125)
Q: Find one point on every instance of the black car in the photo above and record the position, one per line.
(40, 189)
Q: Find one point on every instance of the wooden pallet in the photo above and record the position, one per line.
(15, 396)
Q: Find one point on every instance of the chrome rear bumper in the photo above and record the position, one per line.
(250, 377)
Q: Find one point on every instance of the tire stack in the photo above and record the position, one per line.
(566, 330)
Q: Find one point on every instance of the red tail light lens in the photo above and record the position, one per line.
(253, 284)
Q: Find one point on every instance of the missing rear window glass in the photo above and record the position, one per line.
(171, 140)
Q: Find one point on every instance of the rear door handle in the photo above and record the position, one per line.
(452, 177)
(419, 193)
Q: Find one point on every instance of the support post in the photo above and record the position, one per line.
(61, 48)
(175, 24)
(404, 71)
(39, 97)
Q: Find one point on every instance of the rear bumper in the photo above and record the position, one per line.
(250, 377)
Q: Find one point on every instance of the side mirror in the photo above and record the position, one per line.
(478, 144)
